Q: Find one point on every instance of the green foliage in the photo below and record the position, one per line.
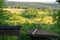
(28, 21)
(56, 17)
(35, 13)
(1, 11)
(31, 13)
(2, 3)
(1, 7)
(58, 21)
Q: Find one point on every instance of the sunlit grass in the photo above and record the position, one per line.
(17, 18)
(43, 22)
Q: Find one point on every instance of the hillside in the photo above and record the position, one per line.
(30, 15)
(32, 4)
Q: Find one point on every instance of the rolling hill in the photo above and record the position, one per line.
(32, 4)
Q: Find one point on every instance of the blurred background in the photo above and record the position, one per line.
(43, 14)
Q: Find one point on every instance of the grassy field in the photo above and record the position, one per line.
(29, 19)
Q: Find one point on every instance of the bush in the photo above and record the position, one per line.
(31, 13)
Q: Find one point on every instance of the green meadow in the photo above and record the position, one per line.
(43, 18)
(30, 19)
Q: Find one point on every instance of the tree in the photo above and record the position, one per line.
(1, 8)
(56, 18)
(58, 21)
(1, 3)
(31, 13)
(1, 11)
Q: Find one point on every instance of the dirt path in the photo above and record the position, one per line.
(14, 10)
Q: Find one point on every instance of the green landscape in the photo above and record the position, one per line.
(44, 17)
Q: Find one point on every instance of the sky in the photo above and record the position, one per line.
(47, 1)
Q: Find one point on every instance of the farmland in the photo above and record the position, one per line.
(28, 19)
(45, 18)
